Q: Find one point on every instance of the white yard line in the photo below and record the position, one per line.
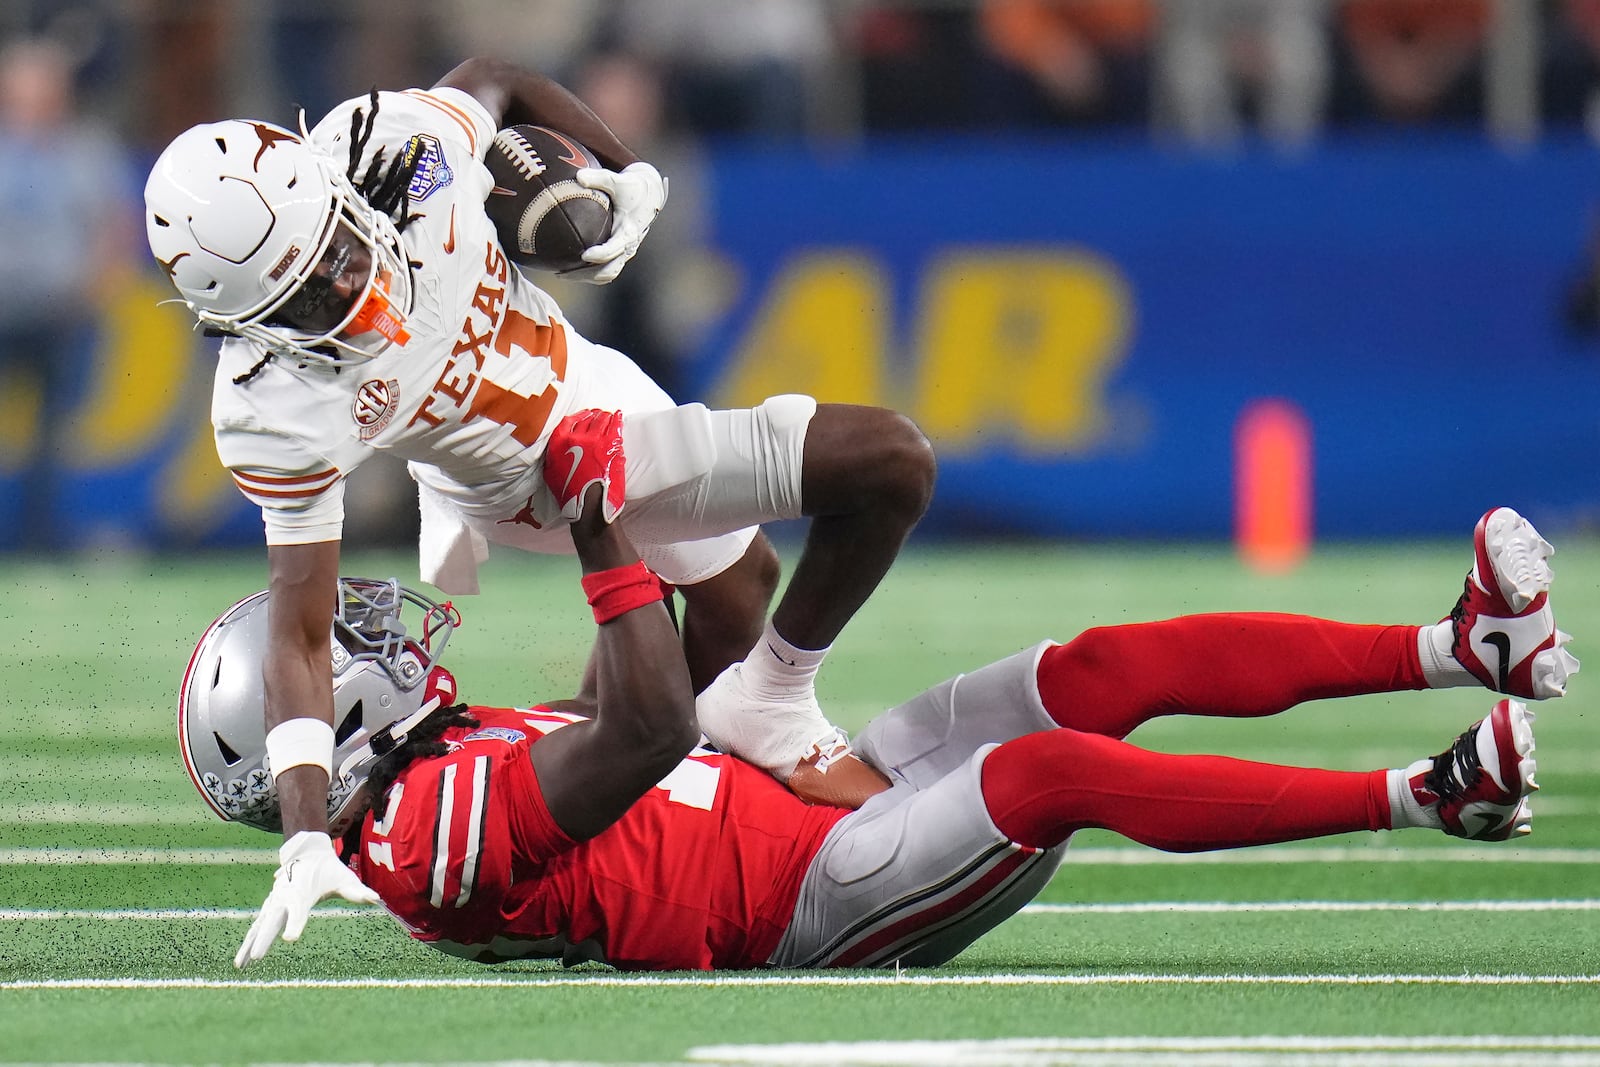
(1141, 857)
(177, 815)
(612, 981)
(1120, 857)
(1488, 1050)
(1175, 907)
(166, 914)
(89, 857)
(1302, 1051)
(1257, 906)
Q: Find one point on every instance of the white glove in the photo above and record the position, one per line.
(310, 872)
(638, 193)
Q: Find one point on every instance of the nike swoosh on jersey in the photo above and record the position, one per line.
(450, 238)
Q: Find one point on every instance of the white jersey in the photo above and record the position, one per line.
(491, 365)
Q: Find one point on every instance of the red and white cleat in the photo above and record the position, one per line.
(1479, 786)
(1504, 630)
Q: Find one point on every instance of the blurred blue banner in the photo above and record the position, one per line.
(1077, 325)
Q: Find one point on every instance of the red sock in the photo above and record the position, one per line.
(1041, 788)
(1110, 679)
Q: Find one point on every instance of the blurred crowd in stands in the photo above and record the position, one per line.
(91, 89)
(1196, 70)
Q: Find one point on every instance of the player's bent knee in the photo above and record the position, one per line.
(862, 458)
(913, 463)
(1083, 657)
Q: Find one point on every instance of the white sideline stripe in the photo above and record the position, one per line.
(1488, 1050)
(608, 981)
(1141, 857)
(167, 914)
(1139, 908)
(1044, 1052)
(391, 1063)
(34, 813)
(1258, 906)
(1082, 857)
(87, 857)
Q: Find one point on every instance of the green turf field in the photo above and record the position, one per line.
(122, 899)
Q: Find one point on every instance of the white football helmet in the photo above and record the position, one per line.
(240, 214)
(386, 680)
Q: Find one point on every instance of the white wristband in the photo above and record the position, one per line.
(298, 743)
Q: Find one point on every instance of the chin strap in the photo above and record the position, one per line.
(384, 741)
(441, 691)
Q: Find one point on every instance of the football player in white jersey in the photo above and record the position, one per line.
(365, 304)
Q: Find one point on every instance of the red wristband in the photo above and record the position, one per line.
(620, 590)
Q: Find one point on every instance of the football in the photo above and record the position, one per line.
(545, 219)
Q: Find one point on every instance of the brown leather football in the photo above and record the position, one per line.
(545, 219)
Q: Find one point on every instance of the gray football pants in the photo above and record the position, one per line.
(920, 871)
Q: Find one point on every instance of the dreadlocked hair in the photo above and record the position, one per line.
(261, 365)
(421, 743)
(387, 190)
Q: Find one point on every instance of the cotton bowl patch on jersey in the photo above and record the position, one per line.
(495, 733)
(433, 172)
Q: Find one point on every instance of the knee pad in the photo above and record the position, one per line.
(783, 420)
(789, 412)
(694, 473)
(762, 449)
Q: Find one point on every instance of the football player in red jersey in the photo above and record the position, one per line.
(598, 828)
(365, 304)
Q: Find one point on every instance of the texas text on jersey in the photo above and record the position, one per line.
(488, 365)
(702, 872)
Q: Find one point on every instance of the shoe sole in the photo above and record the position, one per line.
(1514, 554)
(1520, 720)
(1517, 558)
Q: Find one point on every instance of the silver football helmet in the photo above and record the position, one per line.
(241, 214)
(386, 680)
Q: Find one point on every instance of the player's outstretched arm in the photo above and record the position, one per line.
(514, 95)
(643, 720)
(298, 682)
(299, 721)
(638, 192)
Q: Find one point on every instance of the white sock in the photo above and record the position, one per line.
(1439, 665)
(1404, 808)
(779, 669)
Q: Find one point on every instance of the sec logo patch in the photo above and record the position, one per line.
(374, 405)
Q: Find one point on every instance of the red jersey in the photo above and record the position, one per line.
(702, 872)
